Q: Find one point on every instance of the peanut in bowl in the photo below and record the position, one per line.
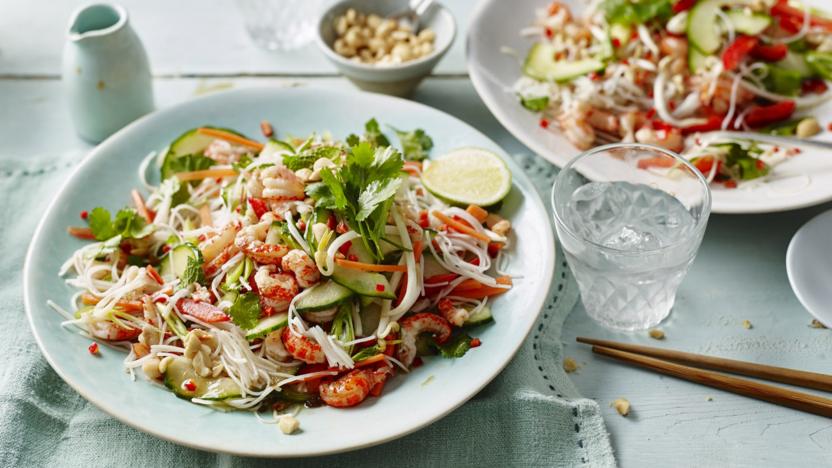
(380, 54)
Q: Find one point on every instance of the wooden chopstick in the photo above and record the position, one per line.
(773, 373)
(770, 393)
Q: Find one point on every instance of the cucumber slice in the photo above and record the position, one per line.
(364, 283)
(267, 325)
(481, 316)
(181, 369)
(273, 148)
(323, 296)
(541, 65)
(797, 62)
(191, 142)
(360, 251)
(174, 263)
(748, 22)
(703, 28)
(696, 59)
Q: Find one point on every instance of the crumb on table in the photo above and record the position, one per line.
(816, 324)
(622, 405)
(288, 424)
(747, 324)
(710, 398)
(656, 334)
(569, 365)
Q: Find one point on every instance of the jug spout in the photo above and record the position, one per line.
(96, 20)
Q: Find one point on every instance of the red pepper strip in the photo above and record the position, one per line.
(705, 164)
(770, 52)
(259, 206)
(736, 52)
(440, 281)
(782, 9)
(683, 5)
(80, 232)
(760, 116)
(377, 388)
(714, 123)
(154, 274)
(202, 310)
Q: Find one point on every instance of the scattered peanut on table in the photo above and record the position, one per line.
(622, 405)
(656, 334)
(569, 365)
(369, 38)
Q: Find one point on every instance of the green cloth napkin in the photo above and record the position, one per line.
(531, 415)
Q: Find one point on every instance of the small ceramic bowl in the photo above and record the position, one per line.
(395, 79)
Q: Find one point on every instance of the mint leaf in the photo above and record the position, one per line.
(415, 144)
(245, 312)
(307, 158)
(629, 12)
(456, 347)
(185, 163)
(193, 272)
(242, 163)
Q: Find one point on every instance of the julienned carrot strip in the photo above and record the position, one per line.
(205, 174)
(369, 266)
(231, 138)
(459, 226)
(141, 208)
(81, 232)
(154, 274)
(471, 284)
(477, 212)
(127, 306)
(370, 360)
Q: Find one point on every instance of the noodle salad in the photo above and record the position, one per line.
(674, 73)
(300, 271)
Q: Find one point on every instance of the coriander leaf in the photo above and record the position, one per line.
(415, 144)
(456, 347)
(130, 225)
(99, 220)
(245, 312)
(193, 272)
(361, 155)
(372, 134)
(352, 139)
(185, 163)
(536, 104)
(127, 223)
(374, 195)
(307, 158)
(338, 199)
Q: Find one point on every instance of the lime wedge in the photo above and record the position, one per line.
(468, 176)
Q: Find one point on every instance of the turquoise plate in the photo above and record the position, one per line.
(412, 401)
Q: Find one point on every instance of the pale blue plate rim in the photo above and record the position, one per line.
(534, 294)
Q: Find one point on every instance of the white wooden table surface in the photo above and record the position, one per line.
(197, 46)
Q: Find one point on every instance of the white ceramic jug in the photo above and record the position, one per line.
(106, 73)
